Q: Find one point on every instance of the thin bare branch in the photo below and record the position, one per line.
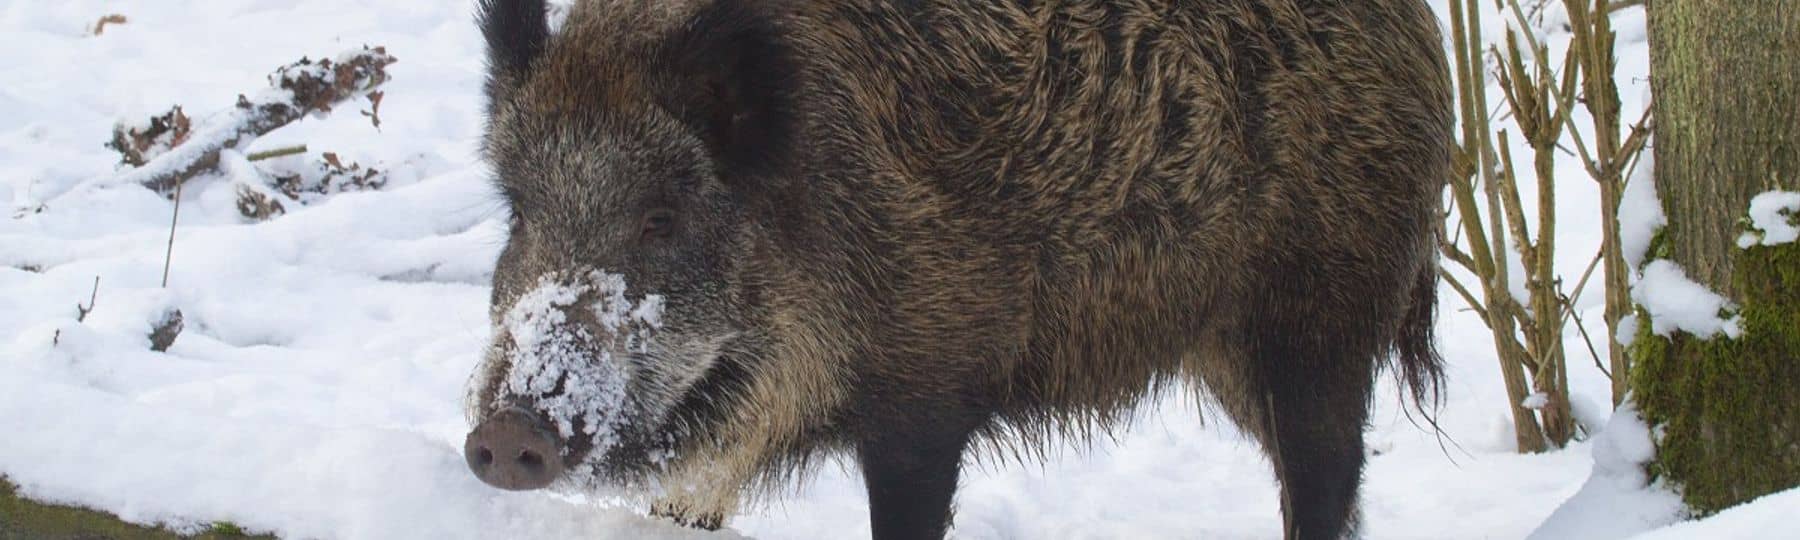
(1456, 255)
(1468, 297)
(275, 153)
(1595, 354)
(1582, 284)
(1513, 208)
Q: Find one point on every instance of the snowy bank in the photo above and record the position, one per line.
(1618, 499)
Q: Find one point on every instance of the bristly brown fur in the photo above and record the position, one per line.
(1079, 192)
(1017, 219)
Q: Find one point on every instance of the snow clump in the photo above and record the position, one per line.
(564, 365)
(1618, 500)
(1772, 218)
(1678, 303)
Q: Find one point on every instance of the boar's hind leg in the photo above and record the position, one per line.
(1314, 395)
(910, 471)
(1298, 378)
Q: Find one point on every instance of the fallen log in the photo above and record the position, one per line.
(169, 150)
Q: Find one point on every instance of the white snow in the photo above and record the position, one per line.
(316, 390)
(1628, 326)
(1640, 213)
(1771, 516)
(1678, 303)
(549, 351)
(1618, 499)
(1591, 414)
(1774, 219)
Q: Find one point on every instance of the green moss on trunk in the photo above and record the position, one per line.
(25, 519)
(1727, 95)
(1729, 409)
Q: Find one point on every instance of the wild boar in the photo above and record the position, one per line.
(746, 234)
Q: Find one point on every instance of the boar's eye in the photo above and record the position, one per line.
(658, 223)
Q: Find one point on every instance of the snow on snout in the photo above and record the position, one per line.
(550, 348)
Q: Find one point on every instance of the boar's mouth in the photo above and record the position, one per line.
(648, 443)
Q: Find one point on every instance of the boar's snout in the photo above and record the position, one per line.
(514, 449)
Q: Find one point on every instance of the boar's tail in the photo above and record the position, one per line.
(1421, 368)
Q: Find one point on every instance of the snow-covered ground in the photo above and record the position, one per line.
(315, 391)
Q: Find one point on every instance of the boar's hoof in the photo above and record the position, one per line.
(513, 449)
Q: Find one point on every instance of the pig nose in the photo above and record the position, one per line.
(513, 449)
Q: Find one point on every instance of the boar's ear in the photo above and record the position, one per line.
(736, 78)
(516, 31)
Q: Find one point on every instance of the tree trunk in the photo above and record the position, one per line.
(1727, 106)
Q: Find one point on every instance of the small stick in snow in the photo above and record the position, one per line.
(81, 313)
(174, 218)
(299, 89)
(278, 152)
(164, 332)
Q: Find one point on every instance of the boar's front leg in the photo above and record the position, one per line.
(910, 469)
(687, 517)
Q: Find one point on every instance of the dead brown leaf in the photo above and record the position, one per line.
(374, 112)
(165, 132)
(100, 26)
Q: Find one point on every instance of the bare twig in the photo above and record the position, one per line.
(1648, 124)
(1592, 48)
(1581, 284)
(1514, 211)
(1634, 143)
(1579, 326)
(1564, 96)
(1474, 162)
(81, 313)
(1456, 255)
(1468, 297)
(174, 217)
(275, 153)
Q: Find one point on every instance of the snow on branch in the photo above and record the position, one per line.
(170, 149)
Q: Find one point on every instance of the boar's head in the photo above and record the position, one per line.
(628, 149)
